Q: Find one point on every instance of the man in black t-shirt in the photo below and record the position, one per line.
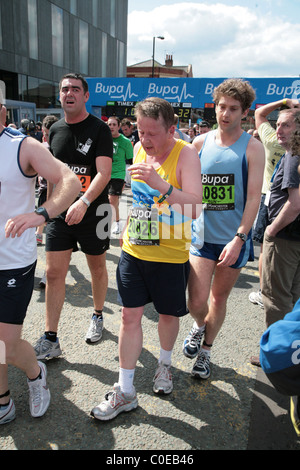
(84, 143)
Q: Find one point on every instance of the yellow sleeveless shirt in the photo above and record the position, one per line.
(157, 232)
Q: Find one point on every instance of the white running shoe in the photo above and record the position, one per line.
(94, 332)
(256, 298)
(115, 402)
(39, 394)
(8, 414)
(43, 281)
(163, 384)
(116, 229)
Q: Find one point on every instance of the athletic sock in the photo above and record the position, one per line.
(199, 328)
(51, 336)
(97, 314)
(126, 377)
(165, 356)
(206, 352)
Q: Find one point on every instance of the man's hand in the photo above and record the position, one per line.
(76, 212)
(16, 227)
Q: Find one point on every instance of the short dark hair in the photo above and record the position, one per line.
(76, 76)
(49, 120)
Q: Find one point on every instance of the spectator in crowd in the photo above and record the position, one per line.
(123, 152)
(273, 153)
(281, 245)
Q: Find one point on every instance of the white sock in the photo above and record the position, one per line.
(200, 328)
(206, 352)
(165, 356)
(126, 377)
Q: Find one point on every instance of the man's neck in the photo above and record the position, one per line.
(70, 119)
(228, 138)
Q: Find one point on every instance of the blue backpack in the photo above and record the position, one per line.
(280, 353)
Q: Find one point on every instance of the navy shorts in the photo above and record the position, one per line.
(261, 221)
(212, 251)
(16, 286)
(62, 237)
(141, 282)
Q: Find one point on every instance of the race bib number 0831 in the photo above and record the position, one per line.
(218, 192)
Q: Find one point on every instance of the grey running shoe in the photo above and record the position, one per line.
(163, 384)
(256, 298)
(39, 394)
(201, 368)
(45, 349)
(192, 343)
(94, 333)
(114, 403)
(8, 414)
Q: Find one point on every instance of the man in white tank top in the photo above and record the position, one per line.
(22, 158)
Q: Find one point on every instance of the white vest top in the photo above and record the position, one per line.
(17, 196)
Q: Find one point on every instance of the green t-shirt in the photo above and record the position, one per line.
(123, 150)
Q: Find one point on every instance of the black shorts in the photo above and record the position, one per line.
(141, 282)
(87, 237)
(16, 286)
(115, 187)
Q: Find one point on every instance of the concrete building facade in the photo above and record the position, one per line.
(40, 40)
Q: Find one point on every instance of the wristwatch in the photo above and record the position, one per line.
(42, 211)
(242, 236)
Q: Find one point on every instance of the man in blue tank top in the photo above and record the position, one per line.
(232, 165)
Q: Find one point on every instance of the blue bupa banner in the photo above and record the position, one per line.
(189, 92)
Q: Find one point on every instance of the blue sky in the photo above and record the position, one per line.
(246, 38)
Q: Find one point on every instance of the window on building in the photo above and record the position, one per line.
(23, 87)
(84, 46)
(104, 54)
(113, 18)
(33, 33)
(73, 7)
(57, 36)
(121, 65)
(95, 13)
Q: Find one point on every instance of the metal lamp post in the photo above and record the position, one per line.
(154, 37)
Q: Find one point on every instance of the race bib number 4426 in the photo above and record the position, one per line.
(218, 192)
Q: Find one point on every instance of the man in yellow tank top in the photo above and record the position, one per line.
(154, 263)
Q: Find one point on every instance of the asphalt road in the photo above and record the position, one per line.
(236, 409)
